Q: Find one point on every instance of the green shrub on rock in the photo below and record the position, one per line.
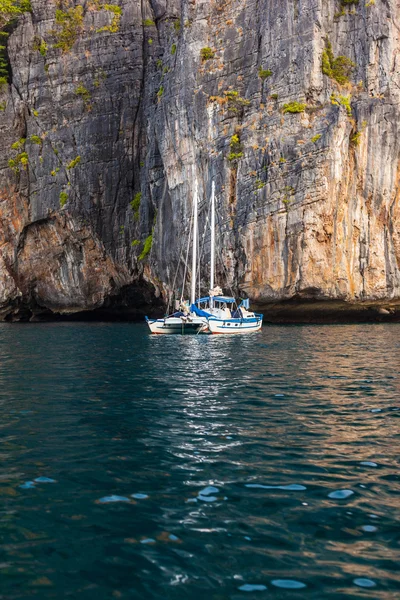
(39, 45)
(264, 73)
(206, 54)
(84, 93)
(21, 160)
(135, 205)
(115, 23)
(294, 107)
(9, 11)
(339, 68)
(236, 149)
(148, 242)
(18, 144)
(63, 199)
(70, 24)
(35, 139)
(74, 163)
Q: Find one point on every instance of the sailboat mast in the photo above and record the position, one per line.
(194, 248)
(212, 274)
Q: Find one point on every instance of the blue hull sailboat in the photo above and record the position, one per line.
(218, 309)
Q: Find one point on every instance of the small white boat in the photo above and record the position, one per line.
(184, 324)
(184, 321)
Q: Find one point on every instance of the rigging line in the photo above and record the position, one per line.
(177, 271)
(198, 265)
(174, 282)
(187, 254)
(204, 234)
(222, 262)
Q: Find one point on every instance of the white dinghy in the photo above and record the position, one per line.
(184, 321)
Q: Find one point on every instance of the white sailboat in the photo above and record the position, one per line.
(217, 308)
(184, 321)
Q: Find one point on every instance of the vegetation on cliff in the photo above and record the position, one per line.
(9, 11)
(339, 68)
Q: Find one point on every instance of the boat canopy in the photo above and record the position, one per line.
(197, 311)
(225, 299)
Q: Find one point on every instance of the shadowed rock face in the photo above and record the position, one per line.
(308, 202)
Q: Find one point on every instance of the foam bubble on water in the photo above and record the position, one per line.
(257, 485)
(139, 496)
(292, 487)
(113, 498)
(368, 463)
(148, 541)
(288, 584)
(341, 494)
(44, 480)
(205, 494)
(252, 587)
(27, 485)
(364, 582)
(376, 410)
(178, 579)
(373, 516)
(369, 528)
(279, 395)
(207, 498)
(246, 537)
(210, 489)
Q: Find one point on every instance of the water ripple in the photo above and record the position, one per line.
(173, 467)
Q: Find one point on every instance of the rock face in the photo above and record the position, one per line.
(123, 107)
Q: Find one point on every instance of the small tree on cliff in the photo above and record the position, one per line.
(9, 11)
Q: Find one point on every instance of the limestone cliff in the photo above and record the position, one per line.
(113, 111)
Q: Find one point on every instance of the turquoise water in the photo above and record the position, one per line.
(264, 466)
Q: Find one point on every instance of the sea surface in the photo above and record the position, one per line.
(206, 467)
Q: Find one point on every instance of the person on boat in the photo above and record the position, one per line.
(183, 311)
